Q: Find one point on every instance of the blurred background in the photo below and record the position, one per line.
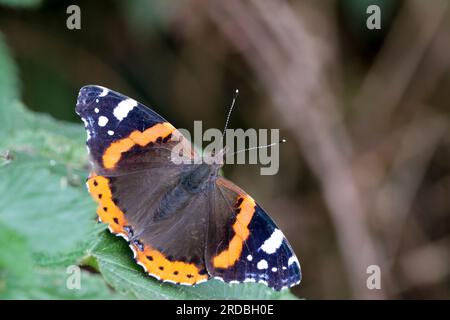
(364, 178)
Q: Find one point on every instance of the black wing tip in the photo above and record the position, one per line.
(86, 96)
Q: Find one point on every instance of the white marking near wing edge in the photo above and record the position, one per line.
(263, 282)
(273, 242)
(123, 108)
(262, 264)
(104, 92)
(142, 265)
(249, 280)
(134, 251)
(123, 236)
(293, 260)
(201, 281)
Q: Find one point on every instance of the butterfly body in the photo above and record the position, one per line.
(184, 222)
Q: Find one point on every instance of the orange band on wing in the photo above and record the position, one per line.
(156, 264)
(114, 152)
(107, 210)
(229, 256)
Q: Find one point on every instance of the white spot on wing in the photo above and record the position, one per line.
(249, 257)
(104, 92)
(273, 242)
(110, 132)
(123, 108)
(96, 110)
(262, 264)
(274, 269)
(293, 260)
(102, 121)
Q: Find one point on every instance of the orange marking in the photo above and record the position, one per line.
(158, 265)
(176, 271)
(114, 152)
(228, 257)
(106, 210)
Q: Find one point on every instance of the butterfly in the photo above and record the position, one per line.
(183, 221)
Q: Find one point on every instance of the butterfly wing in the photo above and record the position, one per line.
(244, 244)
(133, 179)
(125, 136)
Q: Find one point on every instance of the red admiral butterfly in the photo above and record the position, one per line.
(184, 222)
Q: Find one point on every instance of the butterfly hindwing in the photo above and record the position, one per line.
(245, 245)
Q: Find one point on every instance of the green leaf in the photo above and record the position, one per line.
(52, 285)
(37, 134)
(39, 201)
(15, 261)
(20, 278)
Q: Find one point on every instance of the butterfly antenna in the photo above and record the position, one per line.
(260, 147)
(236, 93)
